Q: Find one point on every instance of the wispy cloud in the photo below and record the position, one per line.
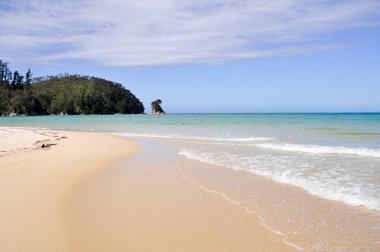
(166, 32)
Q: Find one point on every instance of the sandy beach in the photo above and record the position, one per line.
(81, 191)
(35, 182)
(98, 192)
(146, 204)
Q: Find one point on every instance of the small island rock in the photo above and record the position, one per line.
(156, 108)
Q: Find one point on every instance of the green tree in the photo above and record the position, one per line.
(72, 94)
(5, 73)
(28, 83)
(17, 81)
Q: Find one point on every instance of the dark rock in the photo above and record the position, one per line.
(47, 145)
(156, 108)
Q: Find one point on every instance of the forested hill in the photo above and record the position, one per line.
(75, 94)
(63, 94)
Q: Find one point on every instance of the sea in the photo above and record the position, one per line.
(334, 156)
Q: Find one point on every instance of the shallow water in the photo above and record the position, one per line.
(304, 221)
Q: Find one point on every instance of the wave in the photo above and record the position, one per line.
(318, 149)
(181, 137)
(326, 188)
(198, 157)
(263, 142)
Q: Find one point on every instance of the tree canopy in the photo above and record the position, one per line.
(63, 94)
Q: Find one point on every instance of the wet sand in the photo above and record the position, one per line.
(169, 203)
(310, 222)
(145, 204)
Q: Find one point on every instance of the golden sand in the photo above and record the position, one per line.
(35, 182)
(145, 204)
(83, 193)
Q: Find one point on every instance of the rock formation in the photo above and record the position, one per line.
(156, 108)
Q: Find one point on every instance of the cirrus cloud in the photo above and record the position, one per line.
(169, 32)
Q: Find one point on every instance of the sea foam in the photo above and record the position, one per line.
(318, 149)
(327, 187)
(183, 137)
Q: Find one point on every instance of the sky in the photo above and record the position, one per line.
(207, 55)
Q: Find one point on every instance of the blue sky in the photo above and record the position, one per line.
(207, 56)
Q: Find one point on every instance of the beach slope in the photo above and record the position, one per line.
(75, 191)
(146, 203)
(35, 182)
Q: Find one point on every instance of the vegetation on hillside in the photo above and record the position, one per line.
(63, 94)
(156, 107)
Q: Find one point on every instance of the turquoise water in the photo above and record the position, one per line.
(334, 156)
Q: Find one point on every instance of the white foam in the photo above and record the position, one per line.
(198, 157)
(318, 149)
(326, 188)
(181, 137)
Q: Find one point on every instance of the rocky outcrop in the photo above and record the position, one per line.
(13, 114)
(156, 108)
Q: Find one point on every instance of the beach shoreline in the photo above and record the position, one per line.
(41, 186)
(88, 191)
(305, 221)
(145, 204)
